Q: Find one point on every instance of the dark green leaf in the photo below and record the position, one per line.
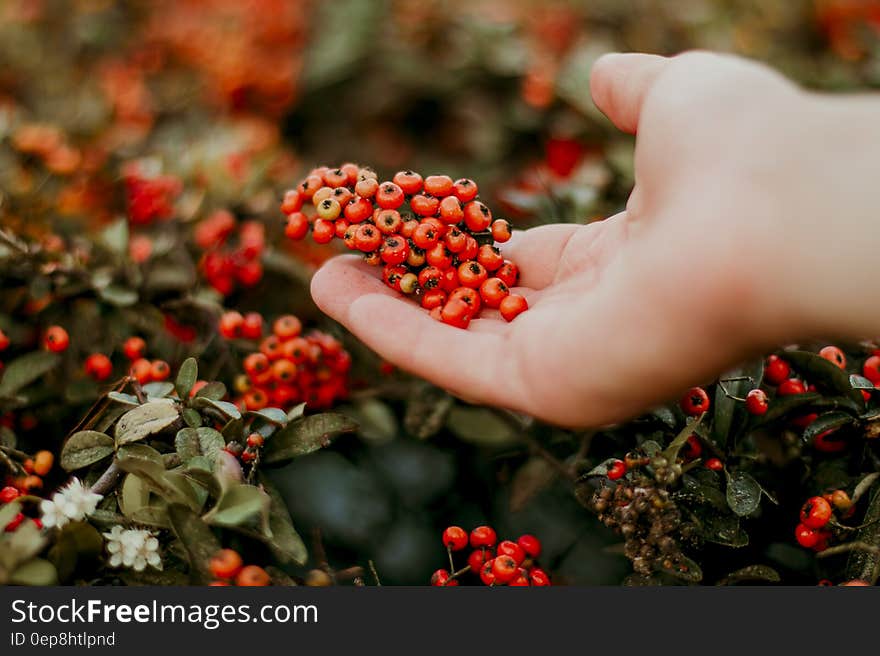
(76, 542)
(730, 415)
(285, 542)
(296, 412)
(272, 415)
(118, 295)
(145, 420)
(197, 539)
(85, 448)
(865, 565)
(158, 390)
(192, 417)
(239, 504)
(822, 372)
(134, 495)
(861, 383)
(228, 410)
(783, 406)
(120, 397)
(214, 390)
(25, 369)
(743, 493)
(426, 411)
(306, 435)
(683, 569)
(480, 426)
(828, 421)
(186, 377)
(750, 574)
(204, 441)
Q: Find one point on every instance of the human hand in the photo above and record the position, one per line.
(687, 280)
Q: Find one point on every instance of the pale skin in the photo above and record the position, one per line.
(753, 223)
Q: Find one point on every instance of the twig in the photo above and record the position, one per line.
(375, 573)
(108, 479)
(846, 547)
(138, 390)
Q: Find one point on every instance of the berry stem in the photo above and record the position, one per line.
(728, 394)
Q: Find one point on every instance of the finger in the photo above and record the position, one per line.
(465, 362)
(537, 252)
(619, 84)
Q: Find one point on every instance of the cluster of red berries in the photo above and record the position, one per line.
(140, 368)
(35, 469)
(290, 367)
(495, 563)
(149, 197)
(228, 568)
(7, 495)
(434, 237)
(816, 515)
(223, 265)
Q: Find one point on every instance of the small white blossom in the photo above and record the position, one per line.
(71, 503)
(133, 548)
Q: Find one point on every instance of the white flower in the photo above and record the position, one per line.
(71, 503)
(52, 515)
(134, 548)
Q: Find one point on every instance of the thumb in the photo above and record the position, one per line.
(619, 84)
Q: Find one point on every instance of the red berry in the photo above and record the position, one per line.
(255, 364)
(15, 523)
(504, 568)
(389, 196)
(829, 442)
(512, 306)
(56, 339)
(367, 238)
(714, 464)
(439, 256)
(455, 538)
(521, 580)
(815, 513)
(456, 313)
(323, 231)
(141, 370)
(439, 185)
(478, 558)
(9, 493)
(433, 298)
(472, 274)
(287, 327)
(512, 549)
(477, 217)
(490, 257)
(790, 387)
(231, 324)
(424, 205)
(410, 182)
(493, 291)
(98, 366)
(451, 210)
(293, 202)
(159, 370)
(487, 576)
(538, 577)
(530, 544)
(252, 326)
(225, 564)
(465, 189)
(483, 536)
(297, 226)
(509, 273)
(4, 341)
(440, 578)
(394, 250)
(616, 470)
(834, 355)
(757, 402)
(871, 369)
(501, 231)
(695, 402)
(252, 576)
(776, 370)
(807, 537)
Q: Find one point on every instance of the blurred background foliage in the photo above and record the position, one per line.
(236, 99)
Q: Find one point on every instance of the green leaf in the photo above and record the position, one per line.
(480, 426)
(239, 504)
(186, 377)
(828, 421)
(118, 295)
(193, 442)
(723, 529)
(120, 397)
(820, 371)
(85, 448)
(158, 390)
(25, 369)
(305, 436)
(115, 237)
(134, 495)
(147, 463)
(426, 411)
(743, 493)
(285, 542)
(145, 420)
(228, 410)
(782, 406)
(76, 542)
(35, 572)
(861, 383)
(296, 412)
(214, 390)
(684, 569)
(333, 56)
(730, 415)
(272, 415)
(197, 539)
(192, 417)
(376, 421)
(671, 451)
(752, 573)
